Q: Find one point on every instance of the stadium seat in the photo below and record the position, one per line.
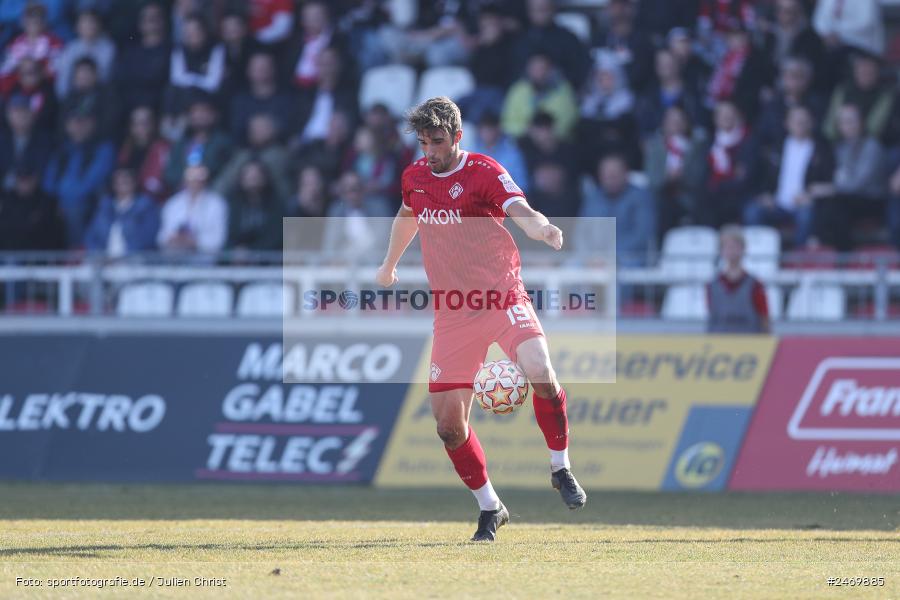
(148, 299)
(763, 250)
(817, 302)
(205, 299)
(685, 302)
(775, 300)
(391, 85)
(453, 82)
(690, 251)
(266, 300)
(577, 23)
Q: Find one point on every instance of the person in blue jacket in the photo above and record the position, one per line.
(126, 221)
(78, 170)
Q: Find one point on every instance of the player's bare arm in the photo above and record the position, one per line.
(403, 230)
(535, 225)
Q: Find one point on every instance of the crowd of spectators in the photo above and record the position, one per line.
(196, 125)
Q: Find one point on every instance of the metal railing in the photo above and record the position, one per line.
(74, 284)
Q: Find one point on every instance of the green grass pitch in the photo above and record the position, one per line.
(358, 542)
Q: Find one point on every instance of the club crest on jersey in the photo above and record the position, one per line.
(435, 372)
(442, 216)
(456, 190)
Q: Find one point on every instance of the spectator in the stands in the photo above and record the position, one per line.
(353, 228)
(36, 43)
(630, 45)
(328, 154)
(202, 143)
(21, 142)
(857, 190)
(542, 35)
(542, 144)
(271, 21)
(56, 15)
(311, 197)
(334, 91)
(490, 65)
(543, 88)
(263, 96)
(92, 42)
(146, 153)
(693, 69)
(254, 210)
(489, 139)
(857, 24)
(126, 221)
(716, 19)
(316, 34)
(87, 88)
(240, 47)
(787, 175)
(869, 91)
(607, 122)
(33, 85)
(794, 89)
(78, 170)
(377, 167)
(731, 162)
(196, 218)
(553, 192)
(198, 63)
(29, 216)
(742, 75)
(142, 66)
(675, 165)
(668, 89)
(262, 146)
(792, 37)
(437, 38)
(380, 120)
(631, 206)
(736, 299)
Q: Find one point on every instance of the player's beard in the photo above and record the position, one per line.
(443, 166)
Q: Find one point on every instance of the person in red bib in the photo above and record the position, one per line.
(456, 201)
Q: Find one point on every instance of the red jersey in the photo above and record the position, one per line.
(460, 217)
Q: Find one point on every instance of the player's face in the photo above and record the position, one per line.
(440, 149)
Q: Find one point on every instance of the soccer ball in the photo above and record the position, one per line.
(500, 386)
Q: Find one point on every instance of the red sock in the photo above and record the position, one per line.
(551, 417)
(469, 462)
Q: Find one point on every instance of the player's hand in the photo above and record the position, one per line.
(552, 235)
(386, 276)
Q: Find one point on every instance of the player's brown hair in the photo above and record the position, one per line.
(435, 113)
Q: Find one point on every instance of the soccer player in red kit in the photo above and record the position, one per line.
(456, 201)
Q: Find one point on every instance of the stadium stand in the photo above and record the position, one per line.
(75, 112)
(205, 299)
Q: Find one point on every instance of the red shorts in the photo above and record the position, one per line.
(460, 344)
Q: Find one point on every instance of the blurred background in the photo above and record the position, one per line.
(150, 150)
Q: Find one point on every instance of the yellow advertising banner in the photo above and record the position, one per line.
(622, 434)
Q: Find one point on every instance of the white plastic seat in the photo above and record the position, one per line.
(205, 299)
(763, 250)
(146, 299)
(775, 300)
(391, 85)
(685, 302)
(577, 23)
(266, 300)
(453, 82)
(817, 302)
(690, 252)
